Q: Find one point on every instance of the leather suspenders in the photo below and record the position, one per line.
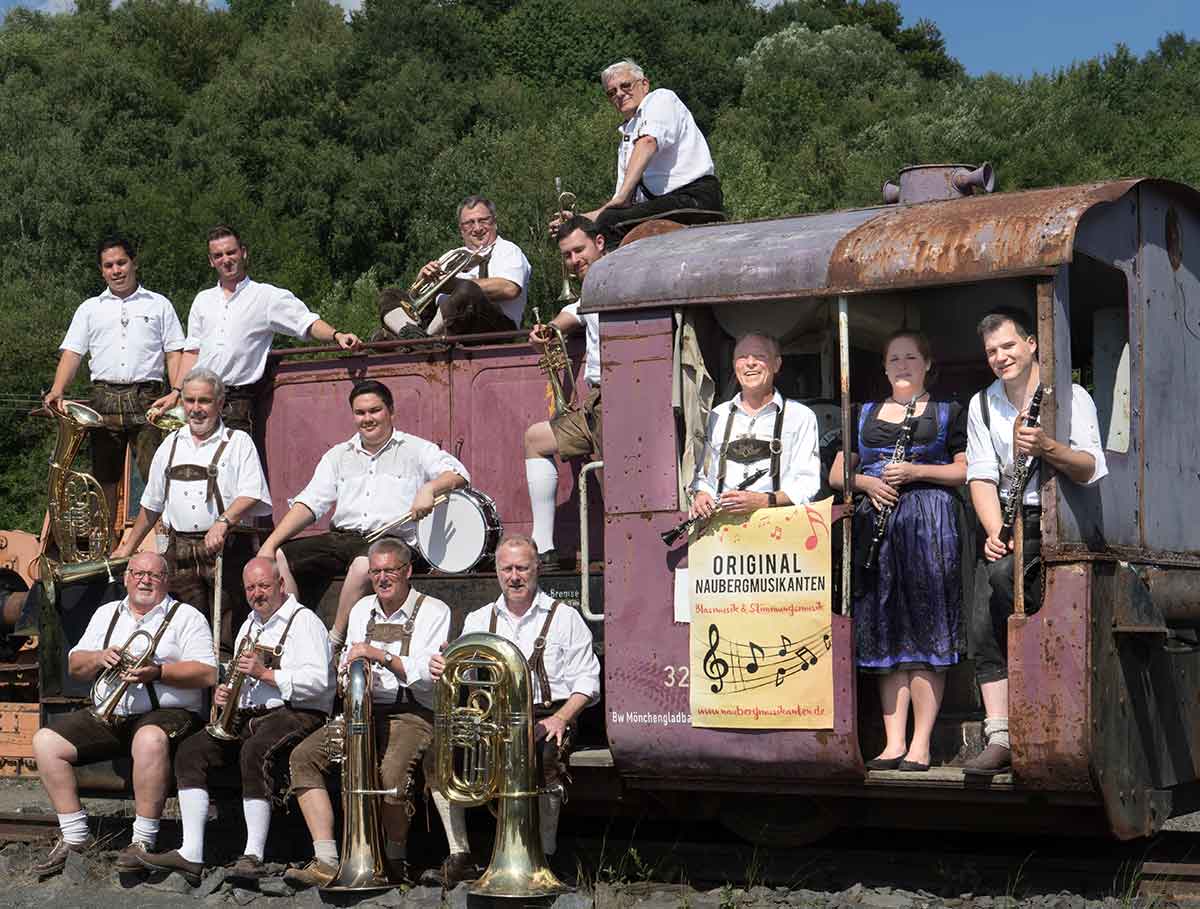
(537, 662)
(747, 451)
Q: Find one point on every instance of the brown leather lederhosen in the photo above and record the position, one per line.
(537, 662)
(193, 472)
(151, 693)
(754, 449)
(390, 633)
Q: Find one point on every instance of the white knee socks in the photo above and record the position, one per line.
(145, 831)
(193, 808)
(74, 827)
(995, 731)
(454, 820)
(396, 320)
(258, 823)
(326, 851)
(542, 476)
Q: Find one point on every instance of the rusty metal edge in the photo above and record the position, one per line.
(414, 344)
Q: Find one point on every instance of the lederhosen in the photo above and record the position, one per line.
(265, 739)
(193, 569)
(551, 757)
(95, 741)
(123, 407)
(748, 450)
(466, 309)
(238, 412)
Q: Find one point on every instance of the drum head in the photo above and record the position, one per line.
(454, 537)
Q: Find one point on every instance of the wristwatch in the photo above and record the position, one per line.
(224, 519)
(771, 500)
(387, 659)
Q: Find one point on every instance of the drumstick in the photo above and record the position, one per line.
(403, 519)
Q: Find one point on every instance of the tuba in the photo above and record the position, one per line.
(553, 361)
(484, 750)
(566, 203)
(221, 723)
(424, 291)
(362, 866)
(103, 707)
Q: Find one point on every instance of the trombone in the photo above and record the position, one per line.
(424, 291)
(566, 203)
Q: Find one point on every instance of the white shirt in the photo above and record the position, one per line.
(682, 155)
(302, 676)
(570, 659)
(234, 335)
(373, 490)
(508, 262)
(125, 338)
(239, 473)
(799, 463)
(429, 633)
(591, 325)
(188, 637)
(983, 446)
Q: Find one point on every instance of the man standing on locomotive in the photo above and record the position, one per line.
(758, 433)
(282, 670)
(377, 476)
(207, 484)
(995, 421)
(231, 326)
(398, 630)
(565, 677)
(130, 334)
(576, 433)
(159, 708)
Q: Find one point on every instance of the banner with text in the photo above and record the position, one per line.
(761, 636)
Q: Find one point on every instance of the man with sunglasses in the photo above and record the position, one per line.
(487, 296)
(397, 630)
(161, 706)
(664, 168)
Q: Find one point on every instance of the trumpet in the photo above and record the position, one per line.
(566, 203)
(424, 291)
(402, 520)
(551, 362)
(221, 725)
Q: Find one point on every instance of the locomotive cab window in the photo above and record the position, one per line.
(1100, 354)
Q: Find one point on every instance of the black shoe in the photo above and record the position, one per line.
(56, 859)
(129, 859)
(551, 560)
(458, 867)
(247, 868)
(884, 763)
(411, 332)
(173, 861)
(913, 766)
(992, 760)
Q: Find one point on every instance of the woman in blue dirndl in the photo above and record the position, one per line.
(907, 607)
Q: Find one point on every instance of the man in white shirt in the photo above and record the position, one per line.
(231, 327)
(287, 692)
(664, 168)
(565, 678)
(397, 630)
(489, 295)
(762, 449)
(131, 335)
(160, 707)
(376, 477)
(576, 433)
(995, 419)
(207, 484)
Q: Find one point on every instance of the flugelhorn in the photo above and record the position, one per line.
(104, 705)
(552, 361)
(423, 291)
(566, 203)
(222, 720)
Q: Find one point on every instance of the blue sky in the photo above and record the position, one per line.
(1014, 37)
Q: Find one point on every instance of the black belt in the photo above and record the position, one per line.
(357, 533)
(125, 386)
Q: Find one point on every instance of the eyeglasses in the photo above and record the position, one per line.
(623, 88)
(476, 222)
(146, 575)
(391, 572)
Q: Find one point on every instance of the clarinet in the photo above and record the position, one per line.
(899, 453)
(1023, 468)
(685, 526)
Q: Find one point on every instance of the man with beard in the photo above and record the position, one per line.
(565, 678)
(207, 484)
(161, 706)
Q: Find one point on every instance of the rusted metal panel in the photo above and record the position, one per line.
(1050, 685)
(18, 723)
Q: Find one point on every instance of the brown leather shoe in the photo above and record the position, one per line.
(56, 859)
(992, 760)
(247, 868)
(315, 874)
(173, 861)
(129, 859)
(458, 867)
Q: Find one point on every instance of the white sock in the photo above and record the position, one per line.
(454, 820)
(326, 851)
(74, 827)
(145, 831)
(258, 824)
(541, 475)
(396, 320)
(193, 810)
(549, 807)
(995, 731)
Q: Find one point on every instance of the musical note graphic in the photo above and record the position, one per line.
(814, 519)
(756, 653)
(785, 644)
(777, 533)
(827, 641)
(807, 658)
(715, 667)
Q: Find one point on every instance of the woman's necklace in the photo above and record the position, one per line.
(905, 403)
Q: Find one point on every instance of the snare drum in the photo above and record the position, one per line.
(459, 532)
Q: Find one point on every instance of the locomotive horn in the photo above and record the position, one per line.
(967, 181)
(891, 193)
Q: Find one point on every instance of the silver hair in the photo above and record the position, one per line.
(471, 202)
(392, 546)
(518, 539)
(772, 341)
(621, 66)
(202, 374)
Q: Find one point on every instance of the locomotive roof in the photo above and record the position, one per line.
(1001, 235)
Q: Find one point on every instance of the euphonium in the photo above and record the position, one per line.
(567, 203)
(424, 291)
(221, 722)
(79, 518)
(484, 750)
(102, 708)
(551, 362)
(362, 866)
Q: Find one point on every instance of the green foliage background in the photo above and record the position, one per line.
(340, 147)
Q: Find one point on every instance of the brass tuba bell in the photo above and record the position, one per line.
(484, 750)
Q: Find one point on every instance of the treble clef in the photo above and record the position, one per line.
(715, 667)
